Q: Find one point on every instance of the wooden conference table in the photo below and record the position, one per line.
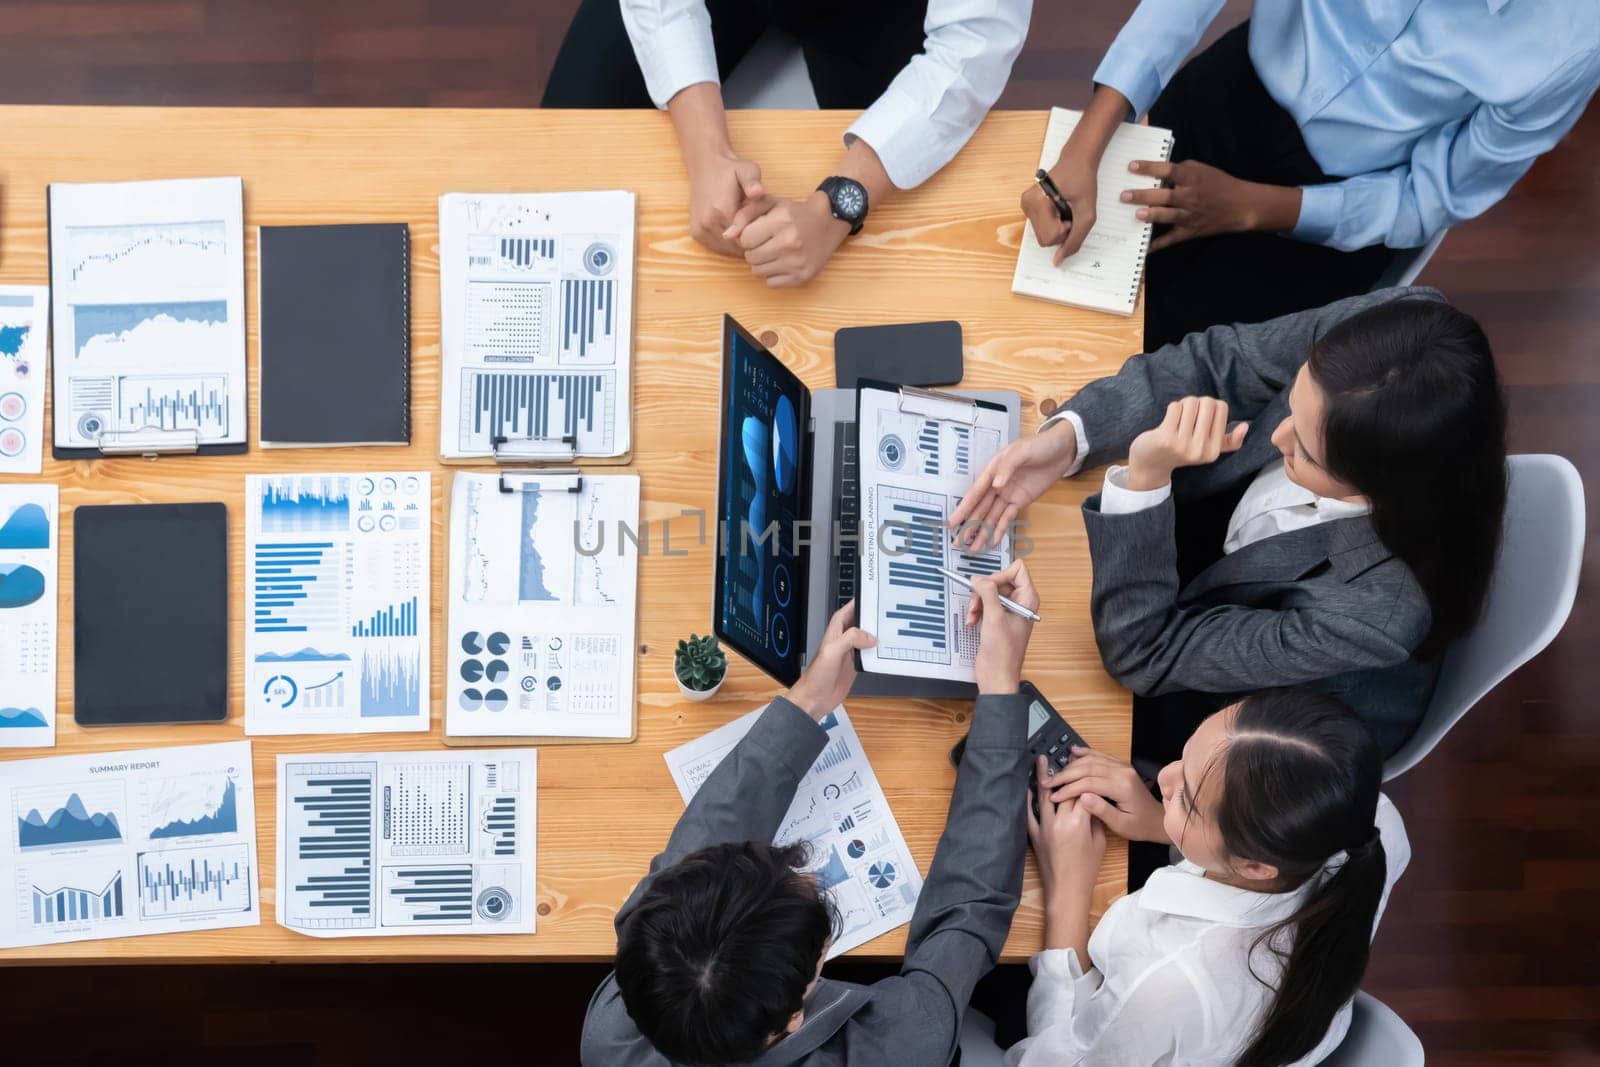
(945, 251)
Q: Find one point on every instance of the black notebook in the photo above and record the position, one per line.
(150, 614)
(335, 335)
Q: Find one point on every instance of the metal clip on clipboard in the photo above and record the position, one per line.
(149, 442)
(507, 449)
(932, 404)
(553, 480)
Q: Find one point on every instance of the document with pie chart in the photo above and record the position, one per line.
(336, 602)
(858, 853)
(543, 592)
(29, 536)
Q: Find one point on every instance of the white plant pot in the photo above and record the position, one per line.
(699, 694)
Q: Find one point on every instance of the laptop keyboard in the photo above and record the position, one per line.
(846, 511)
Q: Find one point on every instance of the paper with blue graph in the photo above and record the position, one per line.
(858, 853)
(119, 844)
(919, 453)
(24, 326)
(536, 324)
(147, 283)
(336, 602)
(29, 540)
(544, 592)
(384, 844)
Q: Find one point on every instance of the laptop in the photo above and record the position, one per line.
(787, 467)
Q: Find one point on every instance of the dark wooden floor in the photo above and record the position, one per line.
(1490, 946)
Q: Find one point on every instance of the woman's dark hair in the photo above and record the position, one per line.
(716, 956)
(1414, 419)
(1299, 784)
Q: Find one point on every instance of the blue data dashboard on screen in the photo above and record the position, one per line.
(760, 580)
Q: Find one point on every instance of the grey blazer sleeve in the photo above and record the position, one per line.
(1246, 365)
(1153, 645)
(746, 797)
(969, 897)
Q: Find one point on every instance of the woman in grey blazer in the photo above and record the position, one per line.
(1312, 500)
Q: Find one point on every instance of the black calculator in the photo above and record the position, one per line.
(1049, 734)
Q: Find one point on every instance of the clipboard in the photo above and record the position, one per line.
(936, 406)
(554, 480)
(148, 442)
(560, 449)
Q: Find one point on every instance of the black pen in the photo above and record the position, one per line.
(1048, 184)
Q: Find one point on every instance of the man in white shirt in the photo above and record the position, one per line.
(925, 71)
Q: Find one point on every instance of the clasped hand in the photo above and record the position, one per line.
(786, 242)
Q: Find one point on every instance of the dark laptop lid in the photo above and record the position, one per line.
(763, 495)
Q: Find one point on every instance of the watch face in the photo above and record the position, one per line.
(850, 199)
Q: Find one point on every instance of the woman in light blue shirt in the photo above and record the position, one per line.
(1318, 137)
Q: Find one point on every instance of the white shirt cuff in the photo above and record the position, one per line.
(1117, 499)
(1078, 431)
(1061, 964)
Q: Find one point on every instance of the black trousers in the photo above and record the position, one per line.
(1221, 114)
(852, 52)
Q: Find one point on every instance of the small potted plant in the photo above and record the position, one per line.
(700, 666)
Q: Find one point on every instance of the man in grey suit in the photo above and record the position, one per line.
(720, 948)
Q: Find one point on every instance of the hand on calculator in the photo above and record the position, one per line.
(1111, 791)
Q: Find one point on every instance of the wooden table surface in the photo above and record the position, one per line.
(944, 251)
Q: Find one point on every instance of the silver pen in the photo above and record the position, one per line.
(1006, 602)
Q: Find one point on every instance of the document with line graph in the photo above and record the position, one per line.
(919, 453)
(147, 288)
(337, 569)
(117, 844)
(858, 853)
(384, 844)
(536, 315)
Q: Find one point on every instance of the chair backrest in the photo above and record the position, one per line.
(1377, 1036)
(1530, 596)
(772, 76)
(1409, 263)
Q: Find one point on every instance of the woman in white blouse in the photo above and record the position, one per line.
(1250, 949)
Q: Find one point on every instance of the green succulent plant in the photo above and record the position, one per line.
(699, 662)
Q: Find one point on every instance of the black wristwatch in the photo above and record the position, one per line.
(847, 199)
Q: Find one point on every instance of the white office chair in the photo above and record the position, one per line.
(1530, 597)
(1409, 263)
(1377, 1036)
(771, 76)
(977, 1041)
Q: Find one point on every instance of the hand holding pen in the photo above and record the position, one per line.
(1003, 638)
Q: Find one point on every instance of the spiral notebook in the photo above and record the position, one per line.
(335, 335)
(1104, 274)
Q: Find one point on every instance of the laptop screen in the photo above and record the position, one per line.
(762, 488)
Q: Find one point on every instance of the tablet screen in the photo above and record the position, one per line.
(150, 614)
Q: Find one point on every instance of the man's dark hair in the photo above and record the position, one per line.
(716, 957)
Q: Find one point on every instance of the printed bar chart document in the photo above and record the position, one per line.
(544, 579)
(536, 294)
(858, 853)
(1104, 273)
(919, 453)
(24, 326)
(336, 602)
(147, 284)
(118, 844)
(29, 539)
(383, 844)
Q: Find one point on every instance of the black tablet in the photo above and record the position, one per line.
(150, 614)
